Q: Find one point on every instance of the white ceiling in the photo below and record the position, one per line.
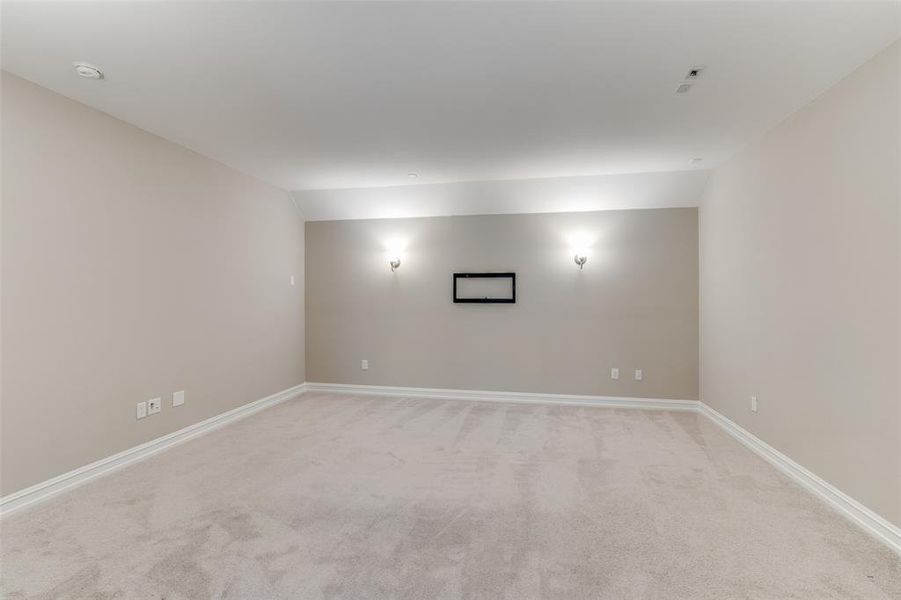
(357, 95)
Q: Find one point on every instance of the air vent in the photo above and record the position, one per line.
(684, 88)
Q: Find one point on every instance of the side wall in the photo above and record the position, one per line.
(800, 275)
(634, 306)
(132, 268)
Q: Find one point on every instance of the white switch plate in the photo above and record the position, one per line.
(753, 403)
(178, 398)
(638, 375)
(614, 373)
(154, 406)
(292, 279)
(364, 364)
(141, 410)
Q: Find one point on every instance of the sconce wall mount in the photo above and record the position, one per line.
(580, 259)
(395, 263)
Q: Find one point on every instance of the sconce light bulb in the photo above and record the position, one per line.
(394, 262)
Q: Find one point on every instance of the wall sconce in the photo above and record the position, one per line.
(579, 243)
(580, 258)
(394, 251)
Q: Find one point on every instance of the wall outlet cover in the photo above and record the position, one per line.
(614, 373)
(753, 403)
(154, 406)
(364, 364)
(178, 398)
(638, 375)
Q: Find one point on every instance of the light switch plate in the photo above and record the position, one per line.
(141, 410)
(178, 398)
(753, 403)
(638, 375)
(614, 373)
(154, 406)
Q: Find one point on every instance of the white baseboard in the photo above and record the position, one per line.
(46, 489)
(519, 397)
(874, 524)
(871, 522)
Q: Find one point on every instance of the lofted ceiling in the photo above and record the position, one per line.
(337, 95)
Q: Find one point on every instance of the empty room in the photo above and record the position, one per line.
(450, 300)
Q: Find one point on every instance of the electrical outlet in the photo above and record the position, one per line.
(753, 403)
(364, 364)
(178, 398)
(638, 375)
(614, 373)
(141, 410)
(154, 406)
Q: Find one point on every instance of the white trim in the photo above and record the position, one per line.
(871, 522)
(46, 489)
(519, 397)
(859, 514)
(874, 524)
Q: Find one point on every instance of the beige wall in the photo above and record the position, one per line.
(800, 276)
(633, 306)
(132, 268)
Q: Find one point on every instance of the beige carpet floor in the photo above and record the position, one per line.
(331, 496)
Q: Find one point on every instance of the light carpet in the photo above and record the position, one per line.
(334, 496)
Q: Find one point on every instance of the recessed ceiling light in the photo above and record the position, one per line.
(88, 71)
(696, 160)
(412, 175)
